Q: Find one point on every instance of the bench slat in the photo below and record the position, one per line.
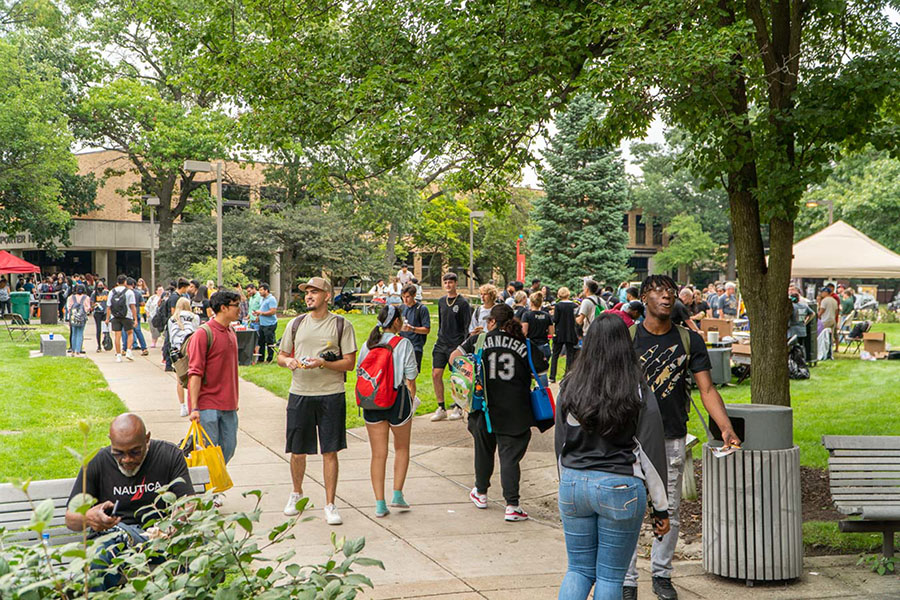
(887, 475)
(840, 452)
(837, 490)
(865, 499)
(864, 460)
(861, 442)
(864, 466)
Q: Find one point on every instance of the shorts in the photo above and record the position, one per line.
(396, 415)
(418, 354)
(312, 418)
(440, 356)
(121, 324)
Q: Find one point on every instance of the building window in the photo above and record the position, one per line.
(625, 222)
(639, 265)
(272, 197)
(657, 233)
(235, 197)
(431, 269)
(640, 230)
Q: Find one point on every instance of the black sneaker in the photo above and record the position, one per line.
(663, 588)
(629, 593)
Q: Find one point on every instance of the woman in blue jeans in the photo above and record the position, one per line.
(611, 453)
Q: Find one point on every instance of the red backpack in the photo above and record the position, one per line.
(375, 377)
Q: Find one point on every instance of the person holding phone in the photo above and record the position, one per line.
(610, 447)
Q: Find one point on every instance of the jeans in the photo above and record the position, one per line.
(601, 516)
(139, 336)
(98, 324)
(266, 340)
(5, 306)
(221, 426)
(77, 338)
(128, 535)
(662, 551)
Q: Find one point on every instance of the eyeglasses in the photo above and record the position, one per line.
(232, 305)
(662, 290)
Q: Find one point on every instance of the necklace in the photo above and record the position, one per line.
(455, 298)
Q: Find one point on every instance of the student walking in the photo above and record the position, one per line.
(98, 303)
(605, 475)
(481, 313)
(668, 355)
(213, 374)
(139, 342)
(565, 331)
(78, 307)
(318, 347)
(537, 324)
(121, 315)
(416, 322)
(398, 418)
(454, 316)
(155, 303)
(507, 387)
(267, 323)
(589, 305)
(179, 326)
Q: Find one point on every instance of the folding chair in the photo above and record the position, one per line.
(15, 322)
(856, 342)
(844, 328)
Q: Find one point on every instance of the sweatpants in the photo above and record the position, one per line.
(511, 448)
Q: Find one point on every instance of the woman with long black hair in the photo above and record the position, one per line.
(610, 447)
(396, 419)
(507, 383)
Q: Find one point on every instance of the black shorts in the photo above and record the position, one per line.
(121, 324)
(440, 356)
(396, 415)
(316, 417)
(418, 354)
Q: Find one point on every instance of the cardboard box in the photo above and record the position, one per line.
(874, 343)
(723, 326)
(740, 349)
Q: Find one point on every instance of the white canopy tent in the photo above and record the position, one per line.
(839, 250)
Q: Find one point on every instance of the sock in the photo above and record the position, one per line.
(398, 498)
(380, 507)
(442, 405)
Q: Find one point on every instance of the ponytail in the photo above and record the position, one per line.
(386, 317)
(505, 320)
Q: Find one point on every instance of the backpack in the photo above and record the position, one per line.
(77, 315)
(161, 318)
(375, 377)
(118, 306)
(598, 308)
(467, 379)
(181, 359)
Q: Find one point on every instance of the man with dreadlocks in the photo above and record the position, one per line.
(668, 353)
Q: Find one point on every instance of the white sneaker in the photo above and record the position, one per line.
(439, 415)
(332, 516)
(479, 500)
(118, 358)
(184, 410)
(290, 509)
(416, 403)
(129, 355)
(456, 414)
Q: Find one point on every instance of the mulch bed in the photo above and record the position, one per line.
(814, 493)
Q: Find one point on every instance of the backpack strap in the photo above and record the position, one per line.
(209, 343)
(534, 373)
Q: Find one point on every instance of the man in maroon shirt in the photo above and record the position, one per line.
(213, 373)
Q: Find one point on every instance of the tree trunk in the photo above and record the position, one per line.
(730, 262)
(390, 254)
(288, 275)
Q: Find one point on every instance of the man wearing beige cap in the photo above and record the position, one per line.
(319, 347)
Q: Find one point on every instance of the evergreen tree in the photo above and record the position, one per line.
(580, 218)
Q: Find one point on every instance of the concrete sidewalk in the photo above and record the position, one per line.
(444, 547)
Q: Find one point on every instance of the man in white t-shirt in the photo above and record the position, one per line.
(404, 275)
(589, 305)
(319, 347)
(121, 316)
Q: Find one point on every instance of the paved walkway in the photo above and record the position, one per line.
(444, 547)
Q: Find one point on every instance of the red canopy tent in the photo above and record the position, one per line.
(14, 264)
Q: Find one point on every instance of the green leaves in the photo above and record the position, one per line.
(689, 246)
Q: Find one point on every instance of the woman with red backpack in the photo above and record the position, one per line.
(387, 346)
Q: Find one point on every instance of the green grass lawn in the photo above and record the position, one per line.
(278, 380)
(43, 399)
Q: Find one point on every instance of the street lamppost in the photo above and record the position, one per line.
(828, 203)
(152, 203)
(202, 166)
(473, 214)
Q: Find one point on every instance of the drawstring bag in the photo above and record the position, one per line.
(206, 454)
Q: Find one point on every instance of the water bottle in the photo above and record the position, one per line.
(45, 542)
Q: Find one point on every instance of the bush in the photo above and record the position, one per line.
(204, 555)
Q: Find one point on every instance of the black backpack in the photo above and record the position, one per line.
(161, 317)
(118, 306)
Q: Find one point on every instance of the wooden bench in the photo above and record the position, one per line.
(864, 474)
(15, 511)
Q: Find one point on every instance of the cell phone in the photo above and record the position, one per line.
(114, 509)
(657, 523)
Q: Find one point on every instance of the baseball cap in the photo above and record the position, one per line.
(636, 305)
(319, 283)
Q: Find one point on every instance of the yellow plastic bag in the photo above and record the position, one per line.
(206, 454)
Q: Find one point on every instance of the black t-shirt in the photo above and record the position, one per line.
(519, 312)
(564, 321)
(453, 321)
(666, 365)
(98, 300)
(680, 313)
(416, 315)
(163, 464)
(700, 307)
(198, 307)
(172, 300)
(539, 322)
(507, 380)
